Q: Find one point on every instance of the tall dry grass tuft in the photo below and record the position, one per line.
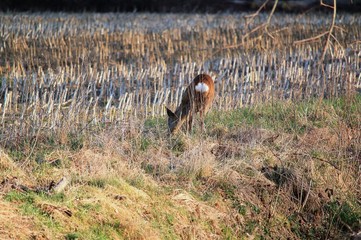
(198, 161)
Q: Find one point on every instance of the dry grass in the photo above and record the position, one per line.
(257, 179)
(14, 225)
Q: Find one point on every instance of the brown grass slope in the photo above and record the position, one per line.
(286, 170)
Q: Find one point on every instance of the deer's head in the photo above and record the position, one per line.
(174, 122)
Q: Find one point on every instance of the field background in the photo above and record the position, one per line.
(82, 98)
(71, 69)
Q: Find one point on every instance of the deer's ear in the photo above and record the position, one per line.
(170, 113)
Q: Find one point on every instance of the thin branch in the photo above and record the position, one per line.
(307, 196)
(319, 35)
(252, 16)
(270, 17)
(355, 42)
(340, 28)
(253, 39)
(328, 32)
(263, 25)
(325, 161)
(319, 159)
(334, 38)
(327, 5)
(330, 29)
(32, 148)
(254, 30)
(311, 38)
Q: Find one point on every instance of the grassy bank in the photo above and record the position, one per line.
(278, 170)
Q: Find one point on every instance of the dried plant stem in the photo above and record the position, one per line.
(330, 29)
(263, 26)
(328, 32)
(253, 15)
(270, 17)
(307, 196)
(311, 38)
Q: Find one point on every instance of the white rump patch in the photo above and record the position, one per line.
(202, 87)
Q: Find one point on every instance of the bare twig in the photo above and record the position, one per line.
(270, 17)
(330, 29)
(311, 38)
(327, 5)
(340, 28)
(262, 26)
(325, 161)
(307, 196)
(253, 39)
(355, 42)
(32, 148)
(334, 38)
(252, 16)
(318, 158)
(328, 32)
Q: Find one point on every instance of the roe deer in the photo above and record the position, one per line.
(198, 97)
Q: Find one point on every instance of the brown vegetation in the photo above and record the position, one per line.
(257, 179)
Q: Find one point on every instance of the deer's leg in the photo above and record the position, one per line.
(190, 122)
(202, 120)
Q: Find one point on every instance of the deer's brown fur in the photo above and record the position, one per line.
(193, 101)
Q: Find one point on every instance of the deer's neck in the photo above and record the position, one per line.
(183, 111)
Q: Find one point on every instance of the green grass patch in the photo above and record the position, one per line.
(155, 122)
(136, 181)
(145, 143)
(72, 236)
(19, 197)
(97, 182)
(344, 215)
(289, 116)
(27, 205)
(42, 217)
(75, 141)
(102, 231)
(228, 233)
